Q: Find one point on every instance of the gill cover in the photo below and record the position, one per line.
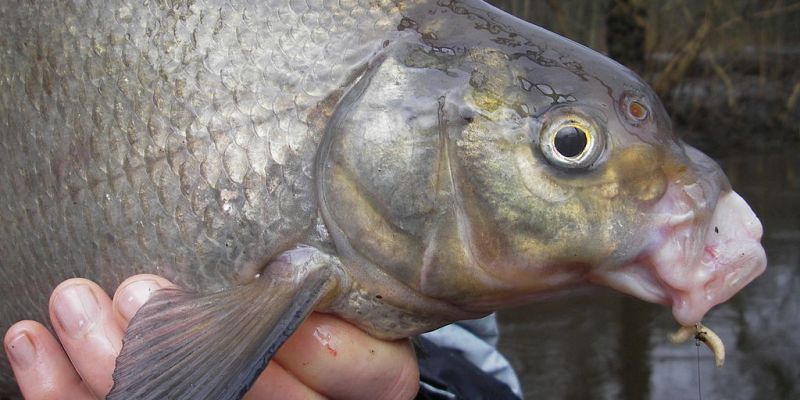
(385, 178)
(425, 173)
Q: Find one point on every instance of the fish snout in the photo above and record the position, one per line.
(703, 264)
(696, 246)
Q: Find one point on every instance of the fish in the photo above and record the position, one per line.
(402, 164)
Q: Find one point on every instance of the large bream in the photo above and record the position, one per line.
(402, 164)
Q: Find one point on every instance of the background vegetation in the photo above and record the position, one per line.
(727, 70)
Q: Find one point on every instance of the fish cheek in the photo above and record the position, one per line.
(550, 226)
(625, 189)
(519, 234)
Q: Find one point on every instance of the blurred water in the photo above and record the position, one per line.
(601, 345)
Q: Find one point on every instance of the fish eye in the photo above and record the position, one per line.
(635, 108)
(572, 142)
(637, 111)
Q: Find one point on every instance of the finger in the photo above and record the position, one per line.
(83, 318)
(340, 361)
(133, 292)
(277, 384)
(42, 369)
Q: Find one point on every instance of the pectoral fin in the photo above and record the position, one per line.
(182, 345)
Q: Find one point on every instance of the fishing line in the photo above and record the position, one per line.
(699, 382)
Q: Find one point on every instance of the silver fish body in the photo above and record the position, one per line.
(417, 144)
(172, 139)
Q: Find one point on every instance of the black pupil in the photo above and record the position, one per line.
(570, 141)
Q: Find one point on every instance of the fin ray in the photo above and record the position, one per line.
(182, 345)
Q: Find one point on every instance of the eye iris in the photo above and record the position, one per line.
(637, 110)
(570, 141)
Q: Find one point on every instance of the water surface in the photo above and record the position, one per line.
(602, 345)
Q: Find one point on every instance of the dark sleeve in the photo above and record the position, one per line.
(446, 374)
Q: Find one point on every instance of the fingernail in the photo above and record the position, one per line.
(21, 351)
(134, 295)
(76, 309)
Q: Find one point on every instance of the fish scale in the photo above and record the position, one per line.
(140, 143)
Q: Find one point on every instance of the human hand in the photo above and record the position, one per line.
(325, 358)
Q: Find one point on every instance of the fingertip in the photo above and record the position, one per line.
(82, 317)
(134, 292)
(20, 343)
(76, 307)
(20, 327)
(41, 368)
(163, 282)
(71, 283)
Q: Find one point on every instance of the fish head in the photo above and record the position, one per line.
(574, 171)
(488, 167)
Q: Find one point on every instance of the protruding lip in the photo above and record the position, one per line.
(695, 263)
(731, 257)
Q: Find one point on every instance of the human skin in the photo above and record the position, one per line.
(325, 358)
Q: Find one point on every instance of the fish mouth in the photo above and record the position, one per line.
(695, 261)
(731, 257)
